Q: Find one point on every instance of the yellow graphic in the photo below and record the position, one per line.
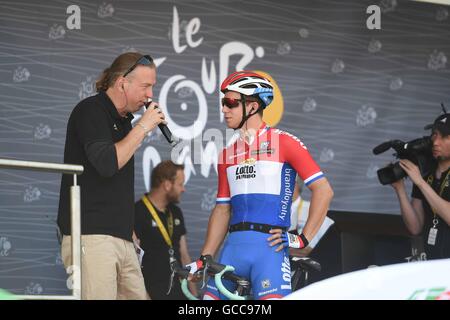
(248, 161)
(274, 112)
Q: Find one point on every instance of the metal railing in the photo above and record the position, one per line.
(75, 216)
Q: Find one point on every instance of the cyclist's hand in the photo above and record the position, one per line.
(196, 277)
(276, 239)
(287, 239)
(195, 266)
(294, 241)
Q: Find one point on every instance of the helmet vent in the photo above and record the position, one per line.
(239, 80)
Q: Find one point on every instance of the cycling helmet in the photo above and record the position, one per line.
(250, 84)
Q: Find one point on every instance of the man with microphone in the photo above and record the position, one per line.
(100, 137)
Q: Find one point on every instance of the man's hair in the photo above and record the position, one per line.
(119, 66)
(165, 170)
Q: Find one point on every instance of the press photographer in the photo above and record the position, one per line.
(428, 211)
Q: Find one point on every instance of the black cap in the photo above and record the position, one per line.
(442, 124)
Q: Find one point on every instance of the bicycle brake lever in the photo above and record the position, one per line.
(205, 273)
(172, 275)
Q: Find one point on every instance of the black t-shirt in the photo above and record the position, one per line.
(155, 263)
(107, 193)
(441, 249)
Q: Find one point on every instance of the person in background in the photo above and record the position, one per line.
(161, 232)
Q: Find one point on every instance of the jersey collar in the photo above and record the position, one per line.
(248, 137)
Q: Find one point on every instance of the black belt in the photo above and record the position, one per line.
(251, 226)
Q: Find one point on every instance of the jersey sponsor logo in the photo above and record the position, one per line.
(267, 292)
(265, 283)
(264, 147)
(245, 172)
(286, 270)
(287, 195)
(210, 287)
(248, 161)
(237, 155)
(262, 151)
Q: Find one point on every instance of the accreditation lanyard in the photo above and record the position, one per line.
(432, 235)
(166, 235)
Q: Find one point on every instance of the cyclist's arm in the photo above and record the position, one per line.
(217, 228)
(298, 156)
(220, 216)
(300, 252)
(321, 195)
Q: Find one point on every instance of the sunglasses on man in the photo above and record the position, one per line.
(233, 103)
(145, 60)
(230, 102)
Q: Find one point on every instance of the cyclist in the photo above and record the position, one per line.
(256, 179)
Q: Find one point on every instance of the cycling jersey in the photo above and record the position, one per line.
(257, 179)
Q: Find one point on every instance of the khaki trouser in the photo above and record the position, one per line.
(109, 268)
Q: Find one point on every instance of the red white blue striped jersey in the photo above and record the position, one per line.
(258, 179)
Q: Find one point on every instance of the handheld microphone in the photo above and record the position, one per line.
(164, 129)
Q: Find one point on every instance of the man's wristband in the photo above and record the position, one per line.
(304, 240)
(146, 130)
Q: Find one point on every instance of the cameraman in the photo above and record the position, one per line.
(428, 213)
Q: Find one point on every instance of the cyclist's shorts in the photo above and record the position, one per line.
(250, 254)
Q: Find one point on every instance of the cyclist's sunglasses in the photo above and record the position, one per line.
(230, 102)
(144, 60)
(233, 103)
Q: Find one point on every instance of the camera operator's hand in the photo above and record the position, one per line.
(412, 171)
(398, 185)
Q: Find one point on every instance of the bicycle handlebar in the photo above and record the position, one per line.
(218, 280)
(219, 271)
(183, 274)
(186, 291)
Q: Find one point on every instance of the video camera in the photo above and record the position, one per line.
(418, 151)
